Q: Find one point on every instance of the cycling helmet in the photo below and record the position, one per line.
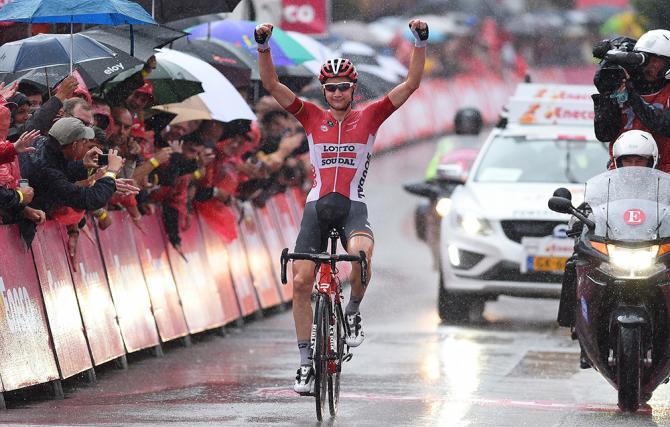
(635, 143)
(338, 67)
(468, 121)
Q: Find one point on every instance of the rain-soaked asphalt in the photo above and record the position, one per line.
(518, 369)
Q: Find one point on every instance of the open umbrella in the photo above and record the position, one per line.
(147, 38)
(220, 96)
(318, 50)
(93, 72)
(163, 10)
(46, 50)
(109, 12)
(285, 50)
(237, 71)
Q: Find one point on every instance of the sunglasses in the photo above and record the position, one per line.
(344, 86)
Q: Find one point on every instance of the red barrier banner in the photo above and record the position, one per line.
(60, 300)
(158, 275)
(305, 16)
(271, 233)
(219, 266)
(286, 218)
(126, 282)
(26, 355)
(260, 264)
(95, 301)
(239, 269)
(200, 297)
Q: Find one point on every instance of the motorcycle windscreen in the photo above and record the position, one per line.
(630, 204)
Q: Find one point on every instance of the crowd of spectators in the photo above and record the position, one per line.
(73, 157)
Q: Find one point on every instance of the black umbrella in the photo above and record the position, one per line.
(164, 10)
(94, 73)
(236, 67)
(147, 38)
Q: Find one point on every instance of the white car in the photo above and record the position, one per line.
(498, 237)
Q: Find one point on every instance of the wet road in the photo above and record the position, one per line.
(518, 369)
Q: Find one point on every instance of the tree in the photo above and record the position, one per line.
(656, 13)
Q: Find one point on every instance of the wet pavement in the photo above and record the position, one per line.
(516, 369)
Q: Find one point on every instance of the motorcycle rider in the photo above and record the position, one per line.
(641, 100)
(632, 148)
(460, 149)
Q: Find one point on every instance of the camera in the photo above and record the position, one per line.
(617, 59)
(103, 160)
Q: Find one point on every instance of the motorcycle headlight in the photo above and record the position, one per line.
(632, 258)
(443, 206)
(638, 263)
(474, 225)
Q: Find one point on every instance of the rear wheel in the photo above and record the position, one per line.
(334, 378)
(321, 356)
(454, 307)
(629, 368)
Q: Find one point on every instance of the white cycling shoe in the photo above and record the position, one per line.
(304, 380)
(355, 336)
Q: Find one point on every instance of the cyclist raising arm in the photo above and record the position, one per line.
(340, 146)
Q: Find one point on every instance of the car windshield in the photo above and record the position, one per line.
(518, 159)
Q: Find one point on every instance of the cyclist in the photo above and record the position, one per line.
(340, 146)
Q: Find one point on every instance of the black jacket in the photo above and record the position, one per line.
(53, 177)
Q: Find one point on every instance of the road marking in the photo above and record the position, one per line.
(280, 392)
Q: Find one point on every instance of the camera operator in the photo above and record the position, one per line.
(634, 90)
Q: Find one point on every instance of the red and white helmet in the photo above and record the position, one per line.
(338, 67)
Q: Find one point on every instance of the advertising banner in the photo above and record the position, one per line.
(239, 269)
(305, 16)
(126, 282)
(219, 265)
(158, 275)
(26, 356)
(271, 233)
(200, 297)
(260, 264)
(95, 301)
(60, 300)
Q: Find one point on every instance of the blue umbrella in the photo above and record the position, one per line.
(48, 50)
(109, 12)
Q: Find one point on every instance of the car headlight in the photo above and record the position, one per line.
(474, 225)
(638, 263)
(443, 206)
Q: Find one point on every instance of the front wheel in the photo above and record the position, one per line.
(321, 355)
(334, 378)
(457, 308)
(629, 368)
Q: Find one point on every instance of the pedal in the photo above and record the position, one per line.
(347, 357)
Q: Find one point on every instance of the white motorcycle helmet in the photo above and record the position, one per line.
(655, 42)
(635, 143)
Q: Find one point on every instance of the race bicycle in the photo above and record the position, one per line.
(329, 327)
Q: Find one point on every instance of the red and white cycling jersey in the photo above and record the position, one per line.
(340, 152)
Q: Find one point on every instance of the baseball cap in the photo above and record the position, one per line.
(69, 129)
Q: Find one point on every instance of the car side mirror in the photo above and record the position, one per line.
(452, 172)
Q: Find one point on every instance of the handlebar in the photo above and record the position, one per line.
(322, 258)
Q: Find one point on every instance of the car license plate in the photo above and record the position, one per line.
(550, 264)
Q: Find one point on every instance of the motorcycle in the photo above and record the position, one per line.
(428, 214)
(621, 276)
